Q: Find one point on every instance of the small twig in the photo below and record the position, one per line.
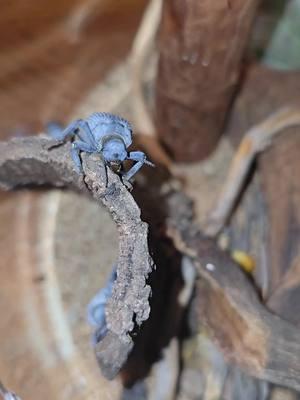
(255, 141)
(141, 49)
(79, 17)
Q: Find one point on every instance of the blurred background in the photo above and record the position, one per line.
(61, 60)
(54, 53)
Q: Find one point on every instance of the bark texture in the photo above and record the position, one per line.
(264, 91)
(201, 45)
(259, 342)
(33, 160)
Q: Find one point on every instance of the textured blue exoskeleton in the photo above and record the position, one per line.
(105, 134)
(96, 308)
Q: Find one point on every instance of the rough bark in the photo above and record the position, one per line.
(201, 45)
(250, 336)
(264, 91)
(30, 161)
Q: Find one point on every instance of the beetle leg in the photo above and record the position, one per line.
(88, 136)
(123, 178)
(6, 394)
(61, 135)
(55, 130)
(77, 147)
(106, 174)
(105, 165)
(140, 157)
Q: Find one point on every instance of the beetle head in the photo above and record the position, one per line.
(114, 150)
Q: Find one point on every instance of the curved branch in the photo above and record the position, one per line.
(25, 161)
(247, 333)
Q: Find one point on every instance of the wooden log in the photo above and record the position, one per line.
(250, 336)
(201, 44)
(264, 91)
(34, 160)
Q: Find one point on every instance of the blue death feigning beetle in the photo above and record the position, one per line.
(105, 134)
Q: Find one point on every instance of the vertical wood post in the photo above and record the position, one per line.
(201, 43)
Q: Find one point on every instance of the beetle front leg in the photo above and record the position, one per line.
(106, 173)
(85, 133)
(77, 147)
(141, 159)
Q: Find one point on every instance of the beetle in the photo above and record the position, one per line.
(106, 134)
(96, 308)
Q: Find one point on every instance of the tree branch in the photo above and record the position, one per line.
(248, 334)
(29, 161)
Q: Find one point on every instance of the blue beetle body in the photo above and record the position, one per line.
(96, 308)
(103, 133)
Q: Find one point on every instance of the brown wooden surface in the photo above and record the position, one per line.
(30, 161)
(262, 92)
(46, 284)
(50, 60)
(266, 222)
(201, 44)
(248, 334)
(265, 91)
(280, 168)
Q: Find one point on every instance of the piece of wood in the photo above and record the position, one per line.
(42, 61)
(250, 336)
(255, 141)
(33, 161)
(55, 255)
(201, 44)
(264, 91)
(266, 223)
(279, 168)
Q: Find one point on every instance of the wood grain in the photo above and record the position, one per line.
(201, 44)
